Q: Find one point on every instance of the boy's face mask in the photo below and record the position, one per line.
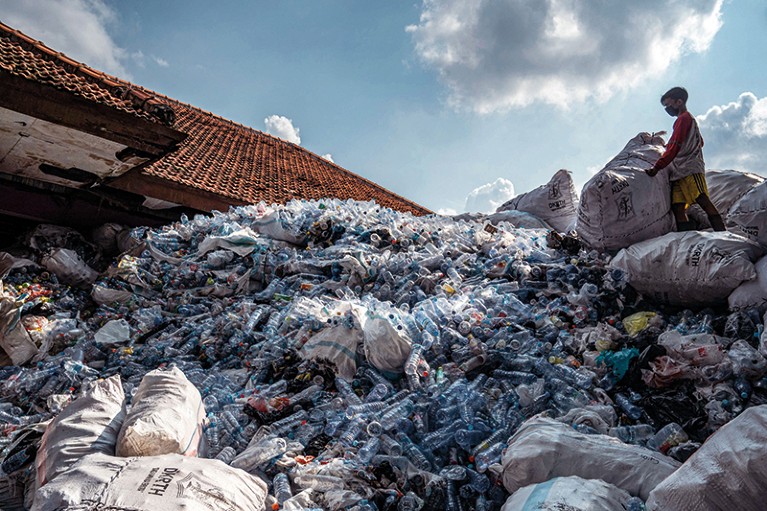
(673, 112)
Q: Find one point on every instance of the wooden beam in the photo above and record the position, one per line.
(158, 188)
(45, 102)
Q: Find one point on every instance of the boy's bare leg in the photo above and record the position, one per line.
(713, 214)
(680, 215)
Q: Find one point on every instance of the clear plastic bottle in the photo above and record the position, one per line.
(259, 453)
(668, 436)
(638, 434)
(227, 454)
(281, 488)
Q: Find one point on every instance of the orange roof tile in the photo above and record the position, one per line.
(219, 156)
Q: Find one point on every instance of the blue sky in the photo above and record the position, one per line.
(454, 104)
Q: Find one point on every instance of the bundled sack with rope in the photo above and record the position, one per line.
(689, 268)
(166, 417)
(556, 202)
(725, 188)
(622, 205)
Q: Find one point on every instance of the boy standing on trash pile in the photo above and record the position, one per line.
(684, 160)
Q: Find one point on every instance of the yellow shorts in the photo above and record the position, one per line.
(688, 189)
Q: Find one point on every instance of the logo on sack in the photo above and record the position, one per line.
(211, 497)
(625, 206)
(693, 257)
(751, 231)
(158, 485)
(553, 206)
(554, 191)
(618, 185)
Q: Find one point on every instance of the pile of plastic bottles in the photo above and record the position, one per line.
(477, 328)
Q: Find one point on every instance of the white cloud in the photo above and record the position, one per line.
(488, 197)
(447, 212)
(328, 157)
(735, 134)
(160, 61)
(498, 54)
(282, 127)
(78, 28)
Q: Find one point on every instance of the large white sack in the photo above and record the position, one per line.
(729, 471)
(725, 189)
(89, 424)
(169, 483)
(16, 345)
(70, 268)
(750, 213)
(752, 293)
(555, 203)
(568, 493)
(689, 268)
(166, 416)
(622, 205)
(544, 448)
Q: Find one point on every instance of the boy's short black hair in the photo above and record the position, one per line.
(675, 93)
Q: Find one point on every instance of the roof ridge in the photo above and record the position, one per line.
(86, 71)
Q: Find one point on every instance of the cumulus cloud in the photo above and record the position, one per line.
(486, 198)
(498, 54)
(160, 61)
(735, 134)
(447, 212)
(282, 127)
(78, 28)
(328, 157)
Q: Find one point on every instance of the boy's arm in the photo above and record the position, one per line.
(682, 128)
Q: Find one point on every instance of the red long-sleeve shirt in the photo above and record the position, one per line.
(682, 127)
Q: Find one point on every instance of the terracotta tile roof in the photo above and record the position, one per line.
(219, 156)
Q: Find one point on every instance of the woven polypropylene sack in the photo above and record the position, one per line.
(544, 448)
(169, 483)
(568, 493)
(556, 202)
(167, 417)
(89, 424)
(689, 268)
(725, 189)
(750, 214)
(622, 205)
(728, 472)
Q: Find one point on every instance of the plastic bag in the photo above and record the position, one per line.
(385, 347)
(166, 417)
(14, 339)
(337, 345)
(116, 331)
(637, 322)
